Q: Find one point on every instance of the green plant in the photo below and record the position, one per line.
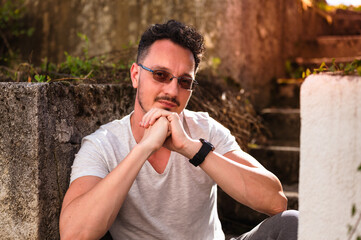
(80, 66)
(353, 67)
(105, 68)
(293, 70)
(12, 26)
(42, 78)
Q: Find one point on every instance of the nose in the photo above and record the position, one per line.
(172, 87)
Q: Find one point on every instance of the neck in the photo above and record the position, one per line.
(135, 119)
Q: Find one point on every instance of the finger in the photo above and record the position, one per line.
(172, 116)
(157, 114)
(146, 117)
(153, 115)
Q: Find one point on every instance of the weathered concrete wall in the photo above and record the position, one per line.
(330, 156)
(41, 126)
(253, 39)
(19, 179)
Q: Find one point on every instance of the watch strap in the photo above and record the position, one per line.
(202, 153)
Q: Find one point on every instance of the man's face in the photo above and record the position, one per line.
(163, 55)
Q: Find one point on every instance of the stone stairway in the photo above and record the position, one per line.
(282, 152)
(280, 155)
(343, 49)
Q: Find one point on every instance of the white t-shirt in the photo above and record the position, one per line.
(180, 203)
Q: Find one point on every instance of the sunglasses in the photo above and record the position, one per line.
(162, 76)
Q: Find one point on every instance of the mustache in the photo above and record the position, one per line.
(166, 98)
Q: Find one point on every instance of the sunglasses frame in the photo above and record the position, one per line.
(194, 82)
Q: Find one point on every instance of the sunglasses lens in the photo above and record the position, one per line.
(161, 76)
(186, 83)
(166, 77)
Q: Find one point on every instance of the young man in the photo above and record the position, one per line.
(154, 173)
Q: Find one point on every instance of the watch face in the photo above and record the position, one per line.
(206, 142)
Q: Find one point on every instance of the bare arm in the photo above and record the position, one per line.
(243, 178)
(249, 184)
(91, 203)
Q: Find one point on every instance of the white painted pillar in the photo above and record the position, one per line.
(330, 183)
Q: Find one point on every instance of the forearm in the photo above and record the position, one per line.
(91, 214)
(253, 186)
(247, 182)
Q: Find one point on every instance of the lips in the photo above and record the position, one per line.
(167, 104)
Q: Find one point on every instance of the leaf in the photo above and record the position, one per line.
(349, 68)
(40, 78)
(359, 168)
(333, 61)
(358, 69)
(322, 68)
(353, 210)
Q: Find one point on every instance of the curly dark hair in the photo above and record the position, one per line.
(178, 33)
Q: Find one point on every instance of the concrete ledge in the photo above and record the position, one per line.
(330, 155)
(41, 126)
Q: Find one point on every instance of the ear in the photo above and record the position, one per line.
(134, 75)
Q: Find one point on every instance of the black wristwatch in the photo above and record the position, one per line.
(202, 153)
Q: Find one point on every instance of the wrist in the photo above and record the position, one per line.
(145, 149)
(191, 148)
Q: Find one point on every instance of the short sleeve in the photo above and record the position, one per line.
(90, 160)
(201, 125)
(221, 138)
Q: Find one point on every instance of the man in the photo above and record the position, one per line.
(154, 173)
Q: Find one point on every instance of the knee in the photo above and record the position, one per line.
(289, 219)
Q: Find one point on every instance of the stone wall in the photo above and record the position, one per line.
(330, 156)
(41, 126)
(252, 39)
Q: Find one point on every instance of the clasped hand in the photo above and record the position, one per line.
(163, 128)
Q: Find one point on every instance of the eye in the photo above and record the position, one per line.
(160, 75)
(185, 82)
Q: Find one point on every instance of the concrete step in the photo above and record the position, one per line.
(286, 93)
(333, 47)
(346, 22)
(236, 218)
(283, 161)
(283, 123)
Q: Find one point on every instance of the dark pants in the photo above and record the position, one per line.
(282, 226)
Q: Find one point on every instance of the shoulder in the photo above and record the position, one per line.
(108, 135)
(200, 123)
(110, 129)
(201, 119)
(198, 117)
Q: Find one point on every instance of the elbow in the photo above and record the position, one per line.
(80, 233)
(69, 235)
(279, 205)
